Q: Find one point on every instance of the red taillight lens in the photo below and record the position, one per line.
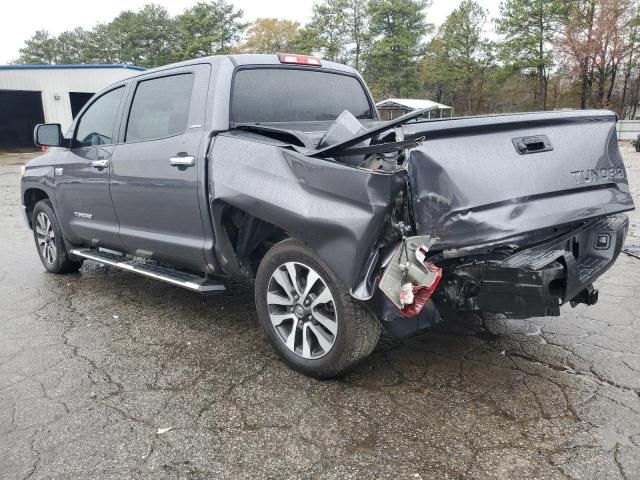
(299, 59)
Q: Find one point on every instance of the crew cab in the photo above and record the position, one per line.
(276, 170)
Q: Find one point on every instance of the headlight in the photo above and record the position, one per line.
(22, 170)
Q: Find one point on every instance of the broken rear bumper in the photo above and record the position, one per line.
(533, 281)
(536, 281)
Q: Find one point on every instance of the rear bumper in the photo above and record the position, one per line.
(536, 281)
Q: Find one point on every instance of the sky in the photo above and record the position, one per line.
(21, 18)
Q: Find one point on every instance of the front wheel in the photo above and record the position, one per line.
(308, 315)
(48, 237)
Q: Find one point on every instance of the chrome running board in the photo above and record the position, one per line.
(165, 274)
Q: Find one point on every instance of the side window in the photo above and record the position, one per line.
(160, 108)
(97, 123)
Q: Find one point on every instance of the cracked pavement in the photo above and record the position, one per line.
(93, 364)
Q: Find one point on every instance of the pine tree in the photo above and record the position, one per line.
(529, 28)
(210, 28)
(397, 28)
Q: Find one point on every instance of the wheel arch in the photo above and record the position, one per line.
(30, 198)
(242, 239)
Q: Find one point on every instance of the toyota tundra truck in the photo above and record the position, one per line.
(277, 171)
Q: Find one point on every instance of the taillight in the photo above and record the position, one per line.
(299, 59)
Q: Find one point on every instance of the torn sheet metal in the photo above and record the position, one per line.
(345, 127)
(368, 134)
(337, 210)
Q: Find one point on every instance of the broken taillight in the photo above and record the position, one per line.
(409, 279)
(299, 59)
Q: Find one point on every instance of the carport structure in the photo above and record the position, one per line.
(32, 94)
(396, 107)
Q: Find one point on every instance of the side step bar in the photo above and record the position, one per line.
(165, 274)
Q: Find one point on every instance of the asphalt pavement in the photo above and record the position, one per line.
(104, 374)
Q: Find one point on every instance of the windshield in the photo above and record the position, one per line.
(264, 95)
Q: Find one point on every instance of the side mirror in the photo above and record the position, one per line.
(48, 135)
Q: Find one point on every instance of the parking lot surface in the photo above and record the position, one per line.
(104, 374)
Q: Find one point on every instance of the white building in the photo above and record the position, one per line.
(396, 107)
(32, 94)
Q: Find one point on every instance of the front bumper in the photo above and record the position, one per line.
(537, 280)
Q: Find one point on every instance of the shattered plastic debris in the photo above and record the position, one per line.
(406, 294)
(163, 430)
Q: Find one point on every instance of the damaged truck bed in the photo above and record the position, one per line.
(521, 212)
(344, 222)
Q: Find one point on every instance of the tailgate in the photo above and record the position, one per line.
(483, 179)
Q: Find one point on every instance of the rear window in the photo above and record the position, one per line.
(290, 95)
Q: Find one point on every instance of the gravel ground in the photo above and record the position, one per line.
(93, 364)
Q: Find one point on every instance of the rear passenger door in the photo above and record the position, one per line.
(154, 174)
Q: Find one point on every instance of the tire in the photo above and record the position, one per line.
(637, 147)
(332, 332)
(49, 243)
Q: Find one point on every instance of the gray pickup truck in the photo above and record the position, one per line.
(276, 170)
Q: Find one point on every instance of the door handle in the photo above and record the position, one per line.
(182, 161)
(100, 163)
(535, 144)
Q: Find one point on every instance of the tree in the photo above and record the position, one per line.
(357, 29)
(337, 31)
(71, 47)
(397, 28)
(208, 29)
(612, 45)
(594, 44)
(40, 49)
(328, 29)
(270, 35)
(142, 38)
(101, 46)
(458, 57)
(632, 64)
(529, 29)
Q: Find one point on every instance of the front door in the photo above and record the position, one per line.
(154, 174)
(82, 176)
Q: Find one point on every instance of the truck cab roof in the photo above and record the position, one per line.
(249, 59)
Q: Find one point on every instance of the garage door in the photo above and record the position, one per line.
(20, 111)
(78, 100)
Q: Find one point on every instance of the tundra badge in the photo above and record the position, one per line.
(597, 175)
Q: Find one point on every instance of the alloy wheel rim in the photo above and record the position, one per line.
(302, 310)
(46, 238)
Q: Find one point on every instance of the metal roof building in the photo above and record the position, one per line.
(396, 107)
(32, 94)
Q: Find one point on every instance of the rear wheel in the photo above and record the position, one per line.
(48, 237)
(308, 315)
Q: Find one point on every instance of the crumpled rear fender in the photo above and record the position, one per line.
(337, 210)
